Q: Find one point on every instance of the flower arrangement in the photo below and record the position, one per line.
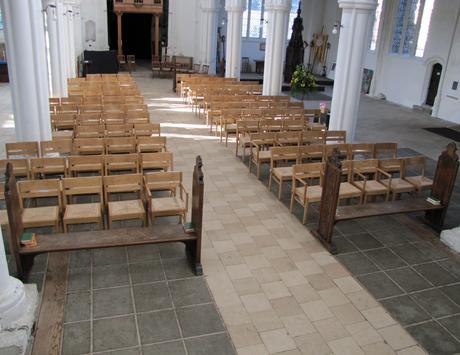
(303, 80)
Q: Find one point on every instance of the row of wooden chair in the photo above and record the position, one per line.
(72, 166)
(100, 108)
(120, 77)
(117, 130)
(82, 200)
(361, 179)
(68, 121)
(64, 147)
(99, 99)
(267, 150)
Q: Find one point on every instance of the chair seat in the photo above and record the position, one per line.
(40, 216)
(63, 134)
(347, 190)
(264, 155)
(166, 205)
(313, 193)
(230, 127)
(82, 211)
(420, 182)
(372, 187)
(3, 217)
(398, 185)
(126, 209)
(283, 173)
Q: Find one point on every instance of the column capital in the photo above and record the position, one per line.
(235, 5)
(209, 5)
(369, 5)
(278, 5)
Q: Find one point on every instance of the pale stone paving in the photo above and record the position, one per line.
(277, 289)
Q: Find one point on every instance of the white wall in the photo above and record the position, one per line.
(184, 28)
(95, 10)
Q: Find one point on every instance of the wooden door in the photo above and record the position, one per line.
(434, 84)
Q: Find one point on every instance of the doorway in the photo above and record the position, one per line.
(434, 84)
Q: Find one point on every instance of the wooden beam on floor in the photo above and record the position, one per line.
(48, 333)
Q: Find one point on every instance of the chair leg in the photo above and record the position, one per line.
(305, 213)
(280, 189)
(270, 182)
(64, 225)
(258, 170)
(291, 206)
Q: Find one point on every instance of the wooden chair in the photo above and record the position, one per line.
(43, 216)
(73, 108)
(91, 108)
(22, 150)
(55, 148)
(171, 205)
(146, 129)
(260, 153)
(397, 184)
(118, 130)
(121, 163)
(311, 153)
(293, 124)
(204, 69)
(361, 151)
(87, 212)
(336, 136)
(88, 118)
(62, 121)
(306, 186)
(156, 66)
(3, 212)
(366, 176)
(313, 137)
(121, 62)
(88, 146)
(136, 117)
(91, 131)
(347, 189)
(156, 161)
(41, 167)
(20, 167)
(280, 166)
(151, 144)
(385, 150)
(90, 164)
(120, 145)
(110, 118)
(121, 210)
(343, 151)
(288, 138)
(244, 129)
(414, 173)
(131, 60)
(270, 125)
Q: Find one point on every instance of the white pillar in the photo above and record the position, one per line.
(353, 42)
(12, 294)
(26, 51)
(235, 9)
(68, 4)
(278, 19)
(78, 30)
(57, 76)
(62, 44)
(209, 17)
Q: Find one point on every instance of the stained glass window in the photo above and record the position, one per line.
(399, 24)
(411, 26)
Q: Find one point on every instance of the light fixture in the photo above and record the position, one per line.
(335, 28)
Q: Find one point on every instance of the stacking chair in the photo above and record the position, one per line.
(118, 130)
(361, 151)
(90, 131)
(62, 120)
(397, 184)
(56, 148)
(347, 189)
(69, 107)
(119, 209)
(120, 145)
(171, 205)
(151, 144)
(313, 137)
(82, 212)
(41, 167)
(20, 167)
(121, 163)
(288, 138)
(293, 124)
(88, 146)
(414, 173)
(385, 150)
(146, 129)
(366, 176)
(307, 180)
(244, 129)
(312, 153)
(89, 164)
(260, 153)
(86, 108)
(136, 117)
(42, 216)
(280, 166)
(131, 61)
(336, 136)
(88, 118)
(121, 61)
(3, 212)
(156, 161)
(110, 118)
(343, 148)
(22, 150)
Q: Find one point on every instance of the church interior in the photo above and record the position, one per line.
(222, 177)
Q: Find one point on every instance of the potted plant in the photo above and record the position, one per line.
(303, 81)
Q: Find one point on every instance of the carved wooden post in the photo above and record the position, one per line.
(329, 201)
(120, 49)
(157, 35)
(197, 211)
(443, 185)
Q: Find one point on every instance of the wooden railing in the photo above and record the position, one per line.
(138, 5)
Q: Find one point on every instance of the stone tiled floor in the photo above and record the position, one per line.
(276, 288)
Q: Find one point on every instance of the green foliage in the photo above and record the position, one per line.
(303, 80)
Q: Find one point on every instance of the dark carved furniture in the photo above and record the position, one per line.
(330, 213)
(59, 242)
(295, 49)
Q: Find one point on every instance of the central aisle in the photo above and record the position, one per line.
(276, 287)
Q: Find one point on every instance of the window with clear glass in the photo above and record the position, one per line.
(411, 27)
(375, 28)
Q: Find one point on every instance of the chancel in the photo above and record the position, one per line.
(224, 177)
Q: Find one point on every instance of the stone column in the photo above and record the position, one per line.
(278, 19)
(27, 69)
(209, 18)
(353, 45)
(62, 30)
(235, 9)
(57, 76)
(71, 38)
(77, 31)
